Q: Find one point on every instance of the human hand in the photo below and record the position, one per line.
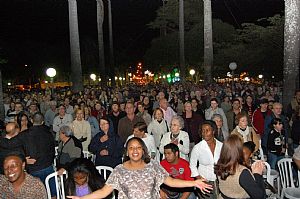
(30, 160)
(205, 188)
(104, 152)
(175, 141)
(258, 167)
(61, 171)
(104, 138)
(73, 197)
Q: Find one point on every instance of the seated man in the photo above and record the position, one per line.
(17, 183)
(177, 168)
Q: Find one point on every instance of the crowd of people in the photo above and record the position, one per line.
(203, 136)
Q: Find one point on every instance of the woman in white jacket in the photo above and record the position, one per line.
(178, 137)
(158, 126)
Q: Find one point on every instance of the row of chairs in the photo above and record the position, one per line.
(59, 181)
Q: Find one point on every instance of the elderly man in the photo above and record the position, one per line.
(17, 183)
(63, 119)
(50, 114)
(167, 110)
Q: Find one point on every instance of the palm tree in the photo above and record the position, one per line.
(2, 114)
(208, 42)
(111, 45)
(76, 74)
(181, 40)
(291, 50)
(100, 17)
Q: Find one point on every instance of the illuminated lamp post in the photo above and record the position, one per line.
(192, 73)
(51, 72)
(232, 67)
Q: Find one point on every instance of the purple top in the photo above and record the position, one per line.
(82, 190)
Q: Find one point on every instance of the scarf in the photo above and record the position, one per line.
(244, 133)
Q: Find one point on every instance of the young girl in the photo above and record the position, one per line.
(276, 142)
(83, 178)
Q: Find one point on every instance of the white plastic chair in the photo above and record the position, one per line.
(89, 155)
(289, 188)
(271, 175)
(59, 184)
(105, 171)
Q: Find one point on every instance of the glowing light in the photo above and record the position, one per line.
(192, 72)
(176, 74)
(51, 72)
(260, 76)
(93, 77)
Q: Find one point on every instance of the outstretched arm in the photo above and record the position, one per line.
(199, 183)
(100, 193)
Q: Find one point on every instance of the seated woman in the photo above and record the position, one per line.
(83, 178)
(69, 148)
(235, 179)
(106, 145)
(140, 177)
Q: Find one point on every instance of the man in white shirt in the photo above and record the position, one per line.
(63, 119)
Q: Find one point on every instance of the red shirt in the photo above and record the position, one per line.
(181, 170)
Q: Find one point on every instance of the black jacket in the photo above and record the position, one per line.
(9, 145)
(39, 144)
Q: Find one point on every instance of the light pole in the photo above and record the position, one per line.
(192, 73)
(51, 72)
(93, 77)
(232, 67)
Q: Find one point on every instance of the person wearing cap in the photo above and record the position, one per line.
(50, 114)
(69, 147)
(259, 116)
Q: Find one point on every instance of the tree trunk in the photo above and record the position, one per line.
(111, 45)
(2, 110)
(291, 50)
(208, 42)
(76, 74)
(100, 18)
(181, 41)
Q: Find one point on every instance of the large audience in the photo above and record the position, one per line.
(217, 135)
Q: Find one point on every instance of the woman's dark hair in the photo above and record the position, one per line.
(231, 156)
(142, 126)
(249, 145)
(211, 123)
(83, 165)
(19, 119)
(145, 155)
(275, 121)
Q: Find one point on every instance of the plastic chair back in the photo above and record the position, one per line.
(104, 171)
(59, 184)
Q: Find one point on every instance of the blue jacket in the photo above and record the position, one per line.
(113, 145)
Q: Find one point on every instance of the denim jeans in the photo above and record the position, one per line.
(42, 174)
(273, 159)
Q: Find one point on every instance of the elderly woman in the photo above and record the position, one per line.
(177, 136)
(219, 133)
(245, 132)
(205, 155)
(69, 147)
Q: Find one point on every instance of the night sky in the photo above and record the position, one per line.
(36, 32)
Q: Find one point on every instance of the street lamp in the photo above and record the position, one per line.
(51, 72)
(93, 77)
(232, 67)
(192, 73)
(260, 76)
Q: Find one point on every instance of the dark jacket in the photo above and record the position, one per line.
(191, 126)
(114, 146)
(9, 145)
(39, 144)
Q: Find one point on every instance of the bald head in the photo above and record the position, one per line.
(12, 129)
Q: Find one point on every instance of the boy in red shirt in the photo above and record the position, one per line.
(177, 168)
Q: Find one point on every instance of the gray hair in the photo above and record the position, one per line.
(216, 116)
(66, 130)
(180, 120)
